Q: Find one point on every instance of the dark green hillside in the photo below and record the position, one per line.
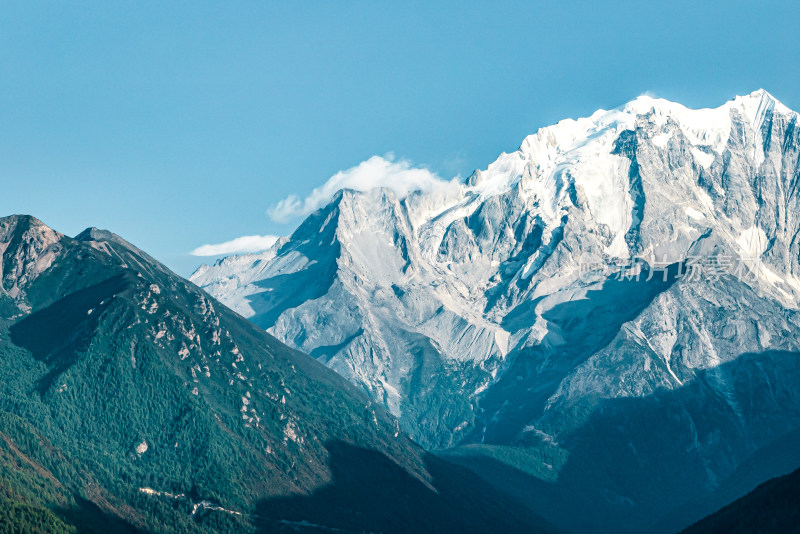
(773, 507)
(132, 401)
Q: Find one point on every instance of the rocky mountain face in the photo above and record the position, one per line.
(134, 402)
(608, 314)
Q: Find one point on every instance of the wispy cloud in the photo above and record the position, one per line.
(377, 171)
(246, 243)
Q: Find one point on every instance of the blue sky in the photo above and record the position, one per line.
(179, 124)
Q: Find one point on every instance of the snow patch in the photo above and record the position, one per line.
(662, 139)
(703, 158)
(753, 242)
(694, 214)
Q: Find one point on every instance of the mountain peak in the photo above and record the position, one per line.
(645, 103)
(29, 229)
(17, 217)
(28, 247)
(25, 221)
(760, 94)
(95, 234)
(757, 105)
(98, 235)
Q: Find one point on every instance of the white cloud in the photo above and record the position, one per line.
(377, 171)
(246, 243)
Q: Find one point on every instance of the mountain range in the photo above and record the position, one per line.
(603, 322)
(134, 402)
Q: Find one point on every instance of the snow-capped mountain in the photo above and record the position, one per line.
(645, 253)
